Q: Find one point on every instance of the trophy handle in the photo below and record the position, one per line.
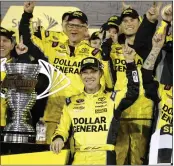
(49, 70)
(3, 62)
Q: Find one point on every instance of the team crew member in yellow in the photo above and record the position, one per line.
(64, 56)
(93, 115)
(162, 134)
(135, 121)
(10, 51)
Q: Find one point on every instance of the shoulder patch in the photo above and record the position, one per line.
(47, 33)
(55, 38)
(68, 101)
(95, 51)
(167, 87)
(113, 95)
(55, 44)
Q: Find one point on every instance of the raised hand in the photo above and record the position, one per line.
(29, 6)
(167, 13)
(129, 53)
(153, 13)
(21, 48)
(125, 6)
(158, 39)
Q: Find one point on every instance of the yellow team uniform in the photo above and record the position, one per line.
(59, 56)
(136, 120)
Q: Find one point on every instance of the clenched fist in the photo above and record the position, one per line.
(29, 6)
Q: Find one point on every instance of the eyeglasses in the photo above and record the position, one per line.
(77, 26)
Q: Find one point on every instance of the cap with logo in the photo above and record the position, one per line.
(66, 14)
(129, 12)
(78, 15)
(7, 33)
(115, 19)
(95, 35)
(91, 62)
(106, 26)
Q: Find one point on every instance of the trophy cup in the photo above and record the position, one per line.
(20, 82)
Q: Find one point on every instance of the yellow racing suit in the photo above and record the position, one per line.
(162, 131)
(136, 120)
(93, 121)
(67, 61)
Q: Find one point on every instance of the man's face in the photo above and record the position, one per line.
(64, 23)
(91, 78)
(76, 30)
(5, 47)
(130, 25)
(95, 43)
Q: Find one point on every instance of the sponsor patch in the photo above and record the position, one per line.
(62, 46)
(101, 98)
(68, 101)
(135, 76)
(95, 51)
(80, 100)
(100, 110)
(47, 33)
(54, 44)
(167, 87)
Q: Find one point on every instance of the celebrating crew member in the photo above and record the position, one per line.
(65, 56)
(13, 53)
(95, 114)
(162, 133)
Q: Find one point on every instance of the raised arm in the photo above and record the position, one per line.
(125, 98)
(35, 45)
(150, 85)
(143, 38)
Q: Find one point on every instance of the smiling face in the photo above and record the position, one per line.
(130, 25)
(91, 79)
(76, 30)
(5, 47)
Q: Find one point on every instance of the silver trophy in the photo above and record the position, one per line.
(20, 82)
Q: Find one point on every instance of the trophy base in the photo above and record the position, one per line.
(19, 138)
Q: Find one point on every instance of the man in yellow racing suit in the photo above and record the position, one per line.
(64, 56)
(93, 116)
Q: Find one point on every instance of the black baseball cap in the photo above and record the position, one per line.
(115, 19)
(7, 33)
(78, 15)
(129, 12)
(107, 25)
(95, 35)
(91, 62)
(66, 14)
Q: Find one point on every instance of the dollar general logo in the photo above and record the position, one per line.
(77, 14)
(51, 21)
(113, 18)
(127, 11)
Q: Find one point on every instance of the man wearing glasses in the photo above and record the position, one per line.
(66, 56)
